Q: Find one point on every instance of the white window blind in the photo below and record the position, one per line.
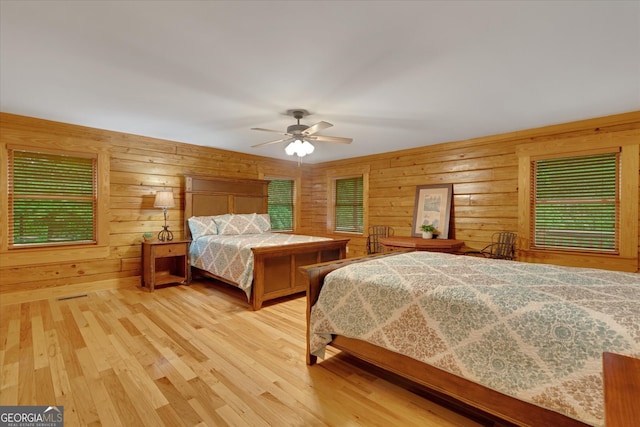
(349, 205)
(280, 203)
(576, 203)
(52, 198)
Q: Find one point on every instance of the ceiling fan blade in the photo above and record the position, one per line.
(316, 128)
(271, 130)
(324, 138)
(273, 142)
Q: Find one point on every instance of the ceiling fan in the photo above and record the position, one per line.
(300, 136)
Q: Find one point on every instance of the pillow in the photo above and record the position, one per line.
(202, 226)
(243, 223)
(263, 222)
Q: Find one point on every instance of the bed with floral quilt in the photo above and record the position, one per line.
(240, 249)
(237, 208)
(520, 341)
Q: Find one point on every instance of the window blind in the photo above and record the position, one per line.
(52, 198)
(577, 204)
(349, 205)
(280, 204)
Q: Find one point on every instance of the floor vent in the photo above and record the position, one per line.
(73, 297)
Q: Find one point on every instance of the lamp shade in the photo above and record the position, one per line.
(164, 199)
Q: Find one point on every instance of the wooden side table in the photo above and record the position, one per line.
(420, 244)
(165, 262)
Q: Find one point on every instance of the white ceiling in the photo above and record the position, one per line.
(391, 75)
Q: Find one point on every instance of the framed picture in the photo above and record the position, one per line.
(433, 206)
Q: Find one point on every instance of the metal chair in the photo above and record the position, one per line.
(502, 246)
(375, 232)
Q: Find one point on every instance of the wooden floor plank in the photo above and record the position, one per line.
(69, 340)
(9, 394)
(71, 416)
(192, 356)
(26, 382)
(179, 404)
(40, 356)
(44, 389)
(83, 404)
(124, 403)
(97, 389)
(55, 309)
(10, 357)
(46, 314)
(130, 365)
(170, 417)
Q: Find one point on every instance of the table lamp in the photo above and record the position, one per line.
(164, 200)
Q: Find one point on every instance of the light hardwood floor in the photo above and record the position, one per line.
(192, 355)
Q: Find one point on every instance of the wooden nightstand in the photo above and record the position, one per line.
(165, 262)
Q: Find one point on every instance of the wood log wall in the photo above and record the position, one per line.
(139, 166)
(484, 172)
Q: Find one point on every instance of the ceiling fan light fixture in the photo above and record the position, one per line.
(308, 147)
(299, 136)
(290, 149)
(299, 147)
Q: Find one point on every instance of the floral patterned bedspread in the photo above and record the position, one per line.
(230, 256)
(533, 331)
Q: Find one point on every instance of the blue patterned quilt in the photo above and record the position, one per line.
(230, 256)
(533, 331)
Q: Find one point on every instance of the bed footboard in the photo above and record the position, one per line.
(276, 268)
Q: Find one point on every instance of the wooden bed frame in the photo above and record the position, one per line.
(276, 269)
(454, 388)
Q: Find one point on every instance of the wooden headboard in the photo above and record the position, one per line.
(214, 195)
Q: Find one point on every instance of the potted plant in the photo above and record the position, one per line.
(147, 236)
(427, 231)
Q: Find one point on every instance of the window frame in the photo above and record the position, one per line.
(627, 143)
(69, 251)
(333, 175)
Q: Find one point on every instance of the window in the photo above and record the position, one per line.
(52, 198)
(281, 204)
(576, 202)
(347, 199)
(349, 205)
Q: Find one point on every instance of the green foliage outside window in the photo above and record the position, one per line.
(577, 202)
(51, 198)
(281, 204)
(349, 211)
